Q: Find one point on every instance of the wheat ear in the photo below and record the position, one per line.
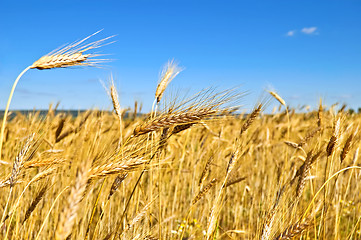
(72, 55)
(17, 166)
(138, 217)
(334, 138)
(117, 181)
(308, 137)
(234, 181)
(304, 171)
(347, 145)
(115, 101)
(35, 202)
(205, 171)
(69, 214)
(268, 224)
(115, 168)
(278, 98)
(320, 115)
(170, 71)
(116, 105)
(251, 118)
(177, 118)
(293, 231)
(20, 159)
(204, 191)
(291, 144)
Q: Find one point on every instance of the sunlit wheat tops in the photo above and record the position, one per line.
(72, 55)
(169, 72)
(73, 180)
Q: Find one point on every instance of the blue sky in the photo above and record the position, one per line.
(305, 50)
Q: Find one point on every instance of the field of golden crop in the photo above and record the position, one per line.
(64, 176)
(193, 168)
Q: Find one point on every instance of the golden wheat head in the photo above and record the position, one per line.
(170, 71)
(278, 98)
(72, 55)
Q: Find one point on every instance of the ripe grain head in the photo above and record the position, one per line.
(74, 54)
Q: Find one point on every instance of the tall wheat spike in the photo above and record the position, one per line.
(68, 56)
(115, 99)
(116, 105)
(170, 71)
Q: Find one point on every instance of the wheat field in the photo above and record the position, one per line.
(192, 168)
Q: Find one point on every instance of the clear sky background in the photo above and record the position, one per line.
(302, 49)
